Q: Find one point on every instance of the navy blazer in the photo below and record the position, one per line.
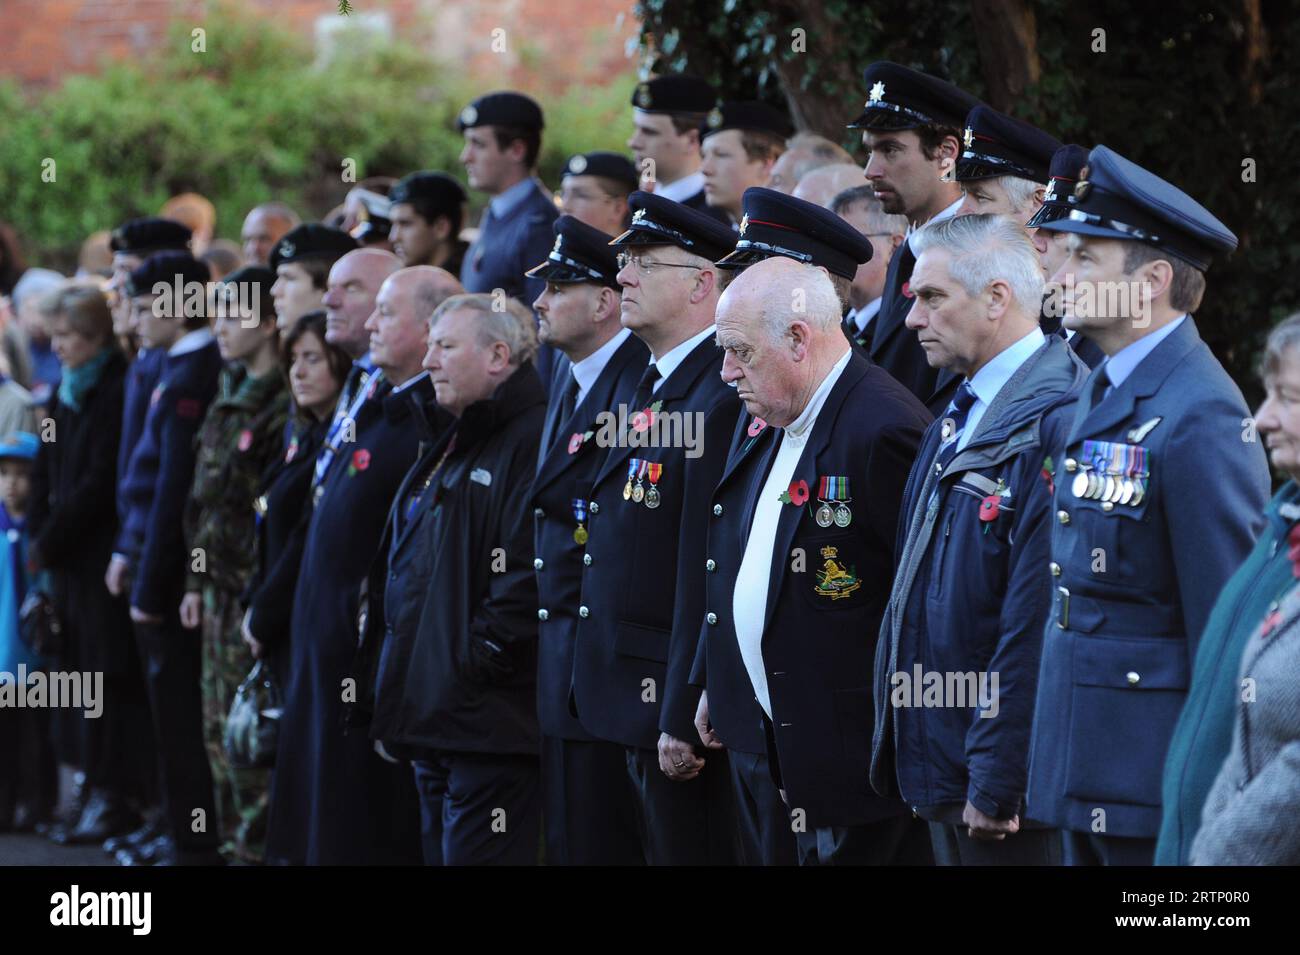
(642, 594)
(1135, 584)
(818, 642)
(563, 475)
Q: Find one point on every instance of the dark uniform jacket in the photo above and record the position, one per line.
(458, 668)
(819, 637)
(642, 593)
(971, 597)
(1137, 581)
(565, 474)
(157, 483)
(141, 378)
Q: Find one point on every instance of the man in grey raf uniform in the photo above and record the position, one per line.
(1160, 493)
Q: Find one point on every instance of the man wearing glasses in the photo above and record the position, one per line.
(642, 594)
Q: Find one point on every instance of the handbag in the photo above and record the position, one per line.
(253, 726)
(39, 626)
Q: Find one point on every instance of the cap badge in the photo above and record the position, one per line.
(287, 250)
(714, 118)
(1081, 190)
(559, 240)
(877, 93)
(638, 216)
(469, 115)
(744, 223)
(577, 164)
(968, 137)
(643, 97)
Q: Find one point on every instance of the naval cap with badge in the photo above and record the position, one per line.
(149, 234)
(1064, 173)
(674, 93)
(903, 98)
(777, 224)
(660, 221)
(995, 144)
(311, 241)
(607, 165)
(747, 115)
(1116, 198)
(581, 254)
(503, 108)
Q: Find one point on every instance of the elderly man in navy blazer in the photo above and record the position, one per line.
(588, 804)
(801, 548)
(1160, 492)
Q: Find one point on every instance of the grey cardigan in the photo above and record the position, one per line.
(1252, 814)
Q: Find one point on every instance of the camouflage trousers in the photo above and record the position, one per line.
(241, 794)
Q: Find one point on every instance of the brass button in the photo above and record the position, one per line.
(1071, 465)
(1055, 568)
(537, 563)
(1132, 678)
(717, 510)
(586, 559)
(710, 564)
(538, 513)
(1063, 516)
(583, 612)
(543, 615)
(1108, 505)
(595, 508)
(712, 618)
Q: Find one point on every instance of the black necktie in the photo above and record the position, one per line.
(1101, 386)
(645, 388)
(568, 402)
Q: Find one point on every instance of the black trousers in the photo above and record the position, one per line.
(684, 823)
(898, 840)
(170, 655)
(118, 747)
(489, 805)
(588, 804)
(1090, 848)
(954, 846)
(762, 817)
(28, 770)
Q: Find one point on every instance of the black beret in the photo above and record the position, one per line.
(900, 98)
(150, 234)
(674, 93)
(251, 285)
(1118, 199)
(506, 108)
(312, 240)
(995, 144)
(436, 189)
(166, 267)
(660, 221)
(614, 166)
(777, 224)
(746, 115)
(581, 254)
(1064, 172)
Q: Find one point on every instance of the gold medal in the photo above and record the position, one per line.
(627, 490)
(580, 535)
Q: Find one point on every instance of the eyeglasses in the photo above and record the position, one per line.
(646, 266)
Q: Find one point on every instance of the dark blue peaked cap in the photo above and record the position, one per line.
(995, 144)
(902, 98)
(1064, 171)
(1118, 199)
(777, 224)
(660, 221)
(580, 254)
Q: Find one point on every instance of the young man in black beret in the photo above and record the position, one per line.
(595, 190)
(301, 261)
(427, 211)
(741, 143)
(666, 117)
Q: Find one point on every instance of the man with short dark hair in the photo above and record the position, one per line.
(503, 136)
(595, 190)
(301, 261)
(666, 117)
(740, 143)
(426, 211)
(860, 208)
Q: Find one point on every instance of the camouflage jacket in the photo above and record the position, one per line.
(241, 436)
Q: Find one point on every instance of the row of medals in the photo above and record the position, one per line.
(1110, 488)
(839, 515)
(641, 494)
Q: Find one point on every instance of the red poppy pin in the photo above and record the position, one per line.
(245, 440)
(577, 440)
(907, 289)
(756, 426)
(796, 493)
(291, 451)
(642, 420)
(360, 461)
(991, 506)
(1049, 474)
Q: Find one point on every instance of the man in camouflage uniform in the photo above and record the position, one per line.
(241, 436)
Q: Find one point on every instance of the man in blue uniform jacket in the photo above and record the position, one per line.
(155, 488)
(642, 595)
(503, 136)
(970, 596)
(1160, 492)
(588, 804)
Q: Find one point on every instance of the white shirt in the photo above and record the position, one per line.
(749, 600)
(588, 370)
(945, 214)
(679, 190)
(1125, 361)
(988, 381)
(861, 317)
(675, 356)
(398, 389)
(191, 341)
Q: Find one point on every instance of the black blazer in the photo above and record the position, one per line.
(819, 642)
(562, 476)
(642, 594)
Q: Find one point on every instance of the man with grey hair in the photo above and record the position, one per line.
(452, 627)
(1004, 165)
(970, 598)
(859, 207)
(822, 185)
(804, 152)
(800, 552)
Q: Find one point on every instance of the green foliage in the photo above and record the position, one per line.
(254, 117)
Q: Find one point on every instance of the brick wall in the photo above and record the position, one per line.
(549, 44)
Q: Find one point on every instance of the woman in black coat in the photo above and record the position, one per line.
(73, 521)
